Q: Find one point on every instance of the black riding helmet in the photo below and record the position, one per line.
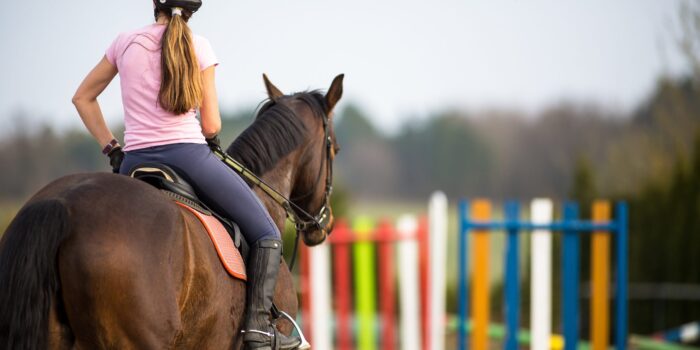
(188, 5)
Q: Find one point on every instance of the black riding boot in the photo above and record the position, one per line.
(263, 266)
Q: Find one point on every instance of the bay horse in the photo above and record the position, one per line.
(103, 261)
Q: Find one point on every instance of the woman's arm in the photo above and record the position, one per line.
(85, 100)
(209, 110)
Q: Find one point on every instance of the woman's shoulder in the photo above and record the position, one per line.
(200, 39)
(204, 51)
(201, 43)
(150, 30)
(148, 37)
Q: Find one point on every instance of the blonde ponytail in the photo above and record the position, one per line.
(181, 81)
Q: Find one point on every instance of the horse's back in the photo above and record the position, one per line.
(135, 272)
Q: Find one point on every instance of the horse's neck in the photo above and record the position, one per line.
(281, 179)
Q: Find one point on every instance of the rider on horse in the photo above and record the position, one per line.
(167, 73)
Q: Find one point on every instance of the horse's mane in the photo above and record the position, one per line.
(275, 132)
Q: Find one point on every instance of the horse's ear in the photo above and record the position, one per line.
(335, 92)
(272, 91)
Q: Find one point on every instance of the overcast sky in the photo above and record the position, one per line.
(401, 58)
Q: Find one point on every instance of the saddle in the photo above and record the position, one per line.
(225, 234)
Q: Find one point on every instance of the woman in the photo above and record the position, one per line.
(167, 73)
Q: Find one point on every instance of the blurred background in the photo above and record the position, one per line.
(567, 100)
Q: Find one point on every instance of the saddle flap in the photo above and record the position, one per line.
(223, 244)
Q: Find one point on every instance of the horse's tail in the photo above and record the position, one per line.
(28, 273)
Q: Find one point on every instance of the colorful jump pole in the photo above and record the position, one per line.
(342, 286)
(424, 278)
(570, 280)
(621, 282)
(600, 278)
(463, 270)
(321, 292)
(409, 283)
(437, 214)
(306, 298)
(481, 210)
(512, 285)
(541, 275)
(364, 254)
(385, 236)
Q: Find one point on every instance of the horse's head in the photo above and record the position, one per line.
(291, 144)
(312, 180)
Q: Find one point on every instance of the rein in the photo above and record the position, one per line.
(318, 221)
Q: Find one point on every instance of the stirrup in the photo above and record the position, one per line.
(275, 341)
(304, 344)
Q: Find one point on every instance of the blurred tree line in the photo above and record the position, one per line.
(504, 154)
(499, 154)
(31, 157)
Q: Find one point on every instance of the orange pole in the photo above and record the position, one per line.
(480, 211)
(600, 278)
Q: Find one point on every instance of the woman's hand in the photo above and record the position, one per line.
(214, 143)
(85, 100)
(116, 157)
(209, 110)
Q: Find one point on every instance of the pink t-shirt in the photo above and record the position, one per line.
(136, 55)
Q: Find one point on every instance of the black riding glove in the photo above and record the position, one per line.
(116, 156)
(214, 142)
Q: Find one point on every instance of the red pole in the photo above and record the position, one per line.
(306, 297)
(385, 237)
(424, 260)
(342, 286)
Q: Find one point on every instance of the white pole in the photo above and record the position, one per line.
(319, 265)
(541, 275)
(437, 216)
(409, 313)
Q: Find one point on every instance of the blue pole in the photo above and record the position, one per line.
(581, 226)
(512, 279)
(570, 283)
(463, 271)
(621, 290)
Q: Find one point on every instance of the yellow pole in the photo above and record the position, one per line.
(365, 268)
(481, 211)
(600, 278)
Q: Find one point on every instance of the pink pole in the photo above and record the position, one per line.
(385, 237)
